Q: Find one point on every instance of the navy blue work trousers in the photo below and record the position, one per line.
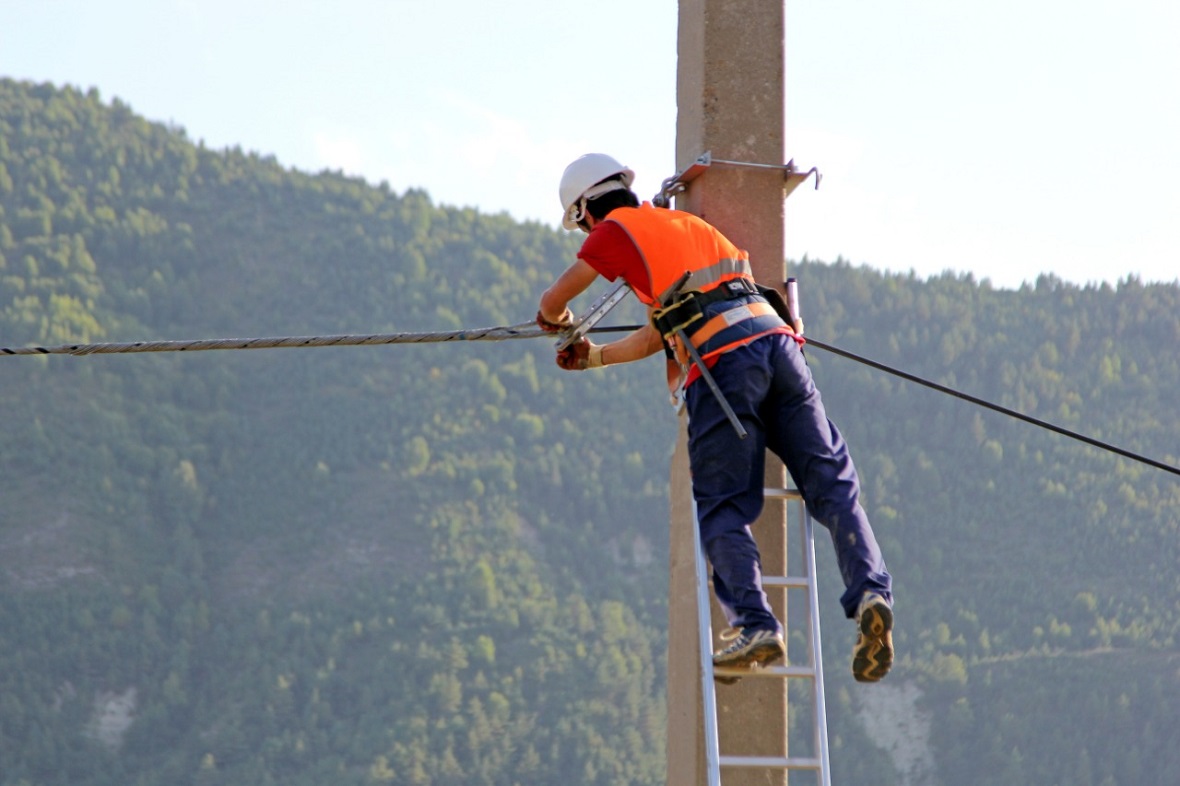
(769, 386)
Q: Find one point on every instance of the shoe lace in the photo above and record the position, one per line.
(867, 600)
(734, 637)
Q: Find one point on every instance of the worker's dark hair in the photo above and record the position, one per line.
(600, 206)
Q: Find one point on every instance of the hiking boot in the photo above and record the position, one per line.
(872, 657)
(747, 651)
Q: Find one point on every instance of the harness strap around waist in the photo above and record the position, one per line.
(729, 318)
(690, 307)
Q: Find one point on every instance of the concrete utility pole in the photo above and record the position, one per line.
(729, 92)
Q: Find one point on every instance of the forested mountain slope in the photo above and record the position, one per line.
(446, 564)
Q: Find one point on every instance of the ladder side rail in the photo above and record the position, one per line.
(807, 531)
(705, 636)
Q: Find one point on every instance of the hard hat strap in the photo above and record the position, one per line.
(595, 191)
(577, 211)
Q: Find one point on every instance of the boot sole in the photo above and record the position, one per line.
(873, 656)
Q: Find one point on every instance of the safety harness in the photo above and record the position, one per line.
(687, 312)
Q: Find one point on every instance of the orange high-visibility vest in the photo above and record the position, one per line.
(671, 242)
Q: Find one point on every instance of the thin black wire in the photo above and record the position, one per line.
(972, 399)
(996, 407)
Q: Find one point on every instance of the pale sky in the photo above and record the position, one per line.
(1007, 138)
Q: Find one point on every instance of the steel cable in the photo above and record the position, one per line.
(528, 330)
(501, 333)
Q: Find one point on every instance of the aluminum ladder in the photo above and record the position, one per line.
(715, 761)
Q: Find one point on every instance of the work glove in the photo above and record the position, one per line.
(580, 355)
(565, 322)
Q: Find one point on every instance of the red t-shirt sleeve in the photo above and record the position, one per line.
(611, 252)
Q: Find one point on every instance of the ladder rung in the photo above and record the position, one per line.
(771, 762)
(790, 582)
(788, 672)
(774, 493)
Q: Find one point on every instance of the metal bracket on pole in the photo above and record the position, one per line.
(678, 183)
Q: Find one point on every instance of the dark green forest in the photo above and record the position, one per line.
(447, 564)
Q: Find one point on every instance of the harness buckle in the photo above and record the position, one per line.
(677, 316)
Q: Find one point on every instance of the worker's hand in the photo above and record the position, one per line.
(580, 355)
(565, 322)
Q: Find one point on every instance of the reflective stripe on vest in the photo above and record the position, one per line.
(732, 328)
(672, 241)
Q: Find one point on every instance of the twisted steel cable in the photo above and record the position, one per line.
(528, 330)
(498, 333)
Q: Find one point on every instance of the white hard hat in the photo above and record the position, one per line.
(582, 180)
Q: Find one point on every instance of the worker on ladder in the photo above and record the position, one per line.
(700, 290)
